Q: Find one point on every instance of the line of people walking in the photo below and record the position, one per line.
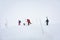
(29, 22)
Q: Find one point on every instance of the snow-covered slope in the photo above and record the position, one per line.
(35, 10)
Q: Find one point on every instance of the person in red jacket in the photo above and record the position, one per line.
(28, 21)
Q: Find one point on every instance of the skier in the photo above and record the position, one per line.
(28, 21)
(47, 21)
(19, 22)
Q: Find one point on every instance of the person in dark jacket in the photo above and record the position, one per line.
(47, 21)
(19, 22)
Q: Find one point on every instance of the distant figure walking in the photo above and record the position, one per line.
(28, 21)
(47, 21)
(19, 22)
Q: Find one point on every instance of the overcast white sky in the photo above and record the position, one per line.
(12, 10)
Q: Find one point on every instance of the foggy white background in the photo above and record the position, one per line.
(36, 10)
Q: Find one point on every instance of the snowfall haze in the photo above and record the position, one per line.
(36, 10)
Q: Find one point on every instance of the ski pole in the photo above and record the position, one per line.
(41, 27)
